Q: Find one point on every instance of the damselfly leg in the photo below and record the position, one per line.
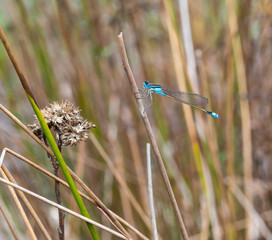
(148, 97)
(142, 93)
(145, 94)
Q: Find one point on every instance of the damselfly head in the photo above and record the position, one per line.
(145, 84)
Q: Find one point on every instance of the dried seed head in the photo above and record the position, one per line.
(64, 118)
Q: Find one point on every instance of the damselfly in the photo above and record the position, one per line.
(194, 100)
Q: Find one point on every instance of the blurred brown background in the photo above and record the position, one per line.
(69, 50)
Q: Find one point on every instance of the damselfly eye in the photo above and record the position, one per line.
(146, 82)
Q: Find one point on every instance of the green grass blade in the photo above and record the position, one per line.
(62, 165)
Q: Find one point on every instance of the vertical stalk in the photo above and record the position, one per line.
(152, 138)
(48, 135)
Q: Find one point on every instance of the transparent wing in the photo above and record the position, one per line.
(192, 99)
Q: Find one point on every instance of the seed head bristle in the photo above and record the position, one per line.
(65, 119)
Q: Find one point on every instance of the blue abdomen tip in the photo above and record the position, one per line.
(215, 115)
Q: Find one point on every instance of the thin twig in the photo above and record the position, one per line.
(151, 137)
(98, 202)
(14, 234)
(66, 185)
(61, 207)
(101, 205)
(49, 135)
(150, 193)
(61, 213)
(16, 66)
(32, 234)
(27, 204)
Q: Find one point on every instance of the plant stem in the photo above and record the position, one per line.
(48, 135)
(152, 138)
